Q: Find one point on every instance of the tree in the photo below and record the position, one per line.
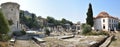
(53, 21)
(22, 17)
(4, 25)
(89, 19)
(50, 19)
(119, 25)
(83, 25)
(70, 22)
(30, 21)
(33, 17)
(47, 32)
(86, 29)
(64, 21)
(4, 28)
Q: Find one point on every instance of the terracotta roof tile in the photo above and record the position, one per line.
(104, 15)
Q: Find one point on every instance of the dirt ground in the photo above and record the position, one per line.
(116, 41)
(3, 44)
(25, 43)
(83, 41)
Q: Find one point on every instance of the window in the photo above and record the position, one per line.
(103, 20)
(113, 25)
(110, 25)
(17, 24)
(103, 26)
(110, 20)
(78, 28)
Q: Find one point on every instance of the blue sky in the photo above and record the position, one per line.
(73, 10)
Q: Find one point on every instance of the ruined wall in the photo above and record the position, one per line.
(11, 12)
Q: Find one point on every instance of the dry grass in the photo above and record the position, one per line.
(93, 38)
(72, 42)
(54, 42)
(3, 44)
(116, 42)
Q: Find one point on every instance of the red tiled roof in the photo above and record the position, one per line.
(104, 15)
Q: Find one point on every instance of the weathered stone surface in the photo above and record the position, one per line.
(11, 12)
(107, 42)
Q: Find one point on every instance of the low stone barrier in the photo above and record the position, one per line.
(99, 43)
(107, 42)
(66, 37)
(35, 43)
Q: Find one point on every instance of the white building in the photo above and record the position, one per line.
(78, 26)
(105, 22)
(11, 12)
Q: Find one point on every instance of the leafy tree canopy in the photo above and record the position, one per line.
(89, 19)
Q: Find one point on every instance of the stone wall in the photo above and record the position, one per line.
(11, 12)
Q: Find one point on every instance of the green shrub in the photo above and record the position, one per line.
(10, 22)
(4, 37)
(4, 25)
(92, 33)
(103, 33)
(83, 25)
(15, 33)
(47, 32)
(98, 33)
(23, 32)
(19, 33)
(86, 29)
(4, 28)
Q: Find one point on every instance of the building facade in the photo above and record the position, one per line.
(11, 12)
(105, 22)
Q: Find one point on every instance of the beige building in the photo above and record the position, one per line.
(11, 12)
(105, 22)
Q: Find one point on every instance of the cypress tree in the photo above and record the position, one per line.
(4, 25)
(89, 19)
